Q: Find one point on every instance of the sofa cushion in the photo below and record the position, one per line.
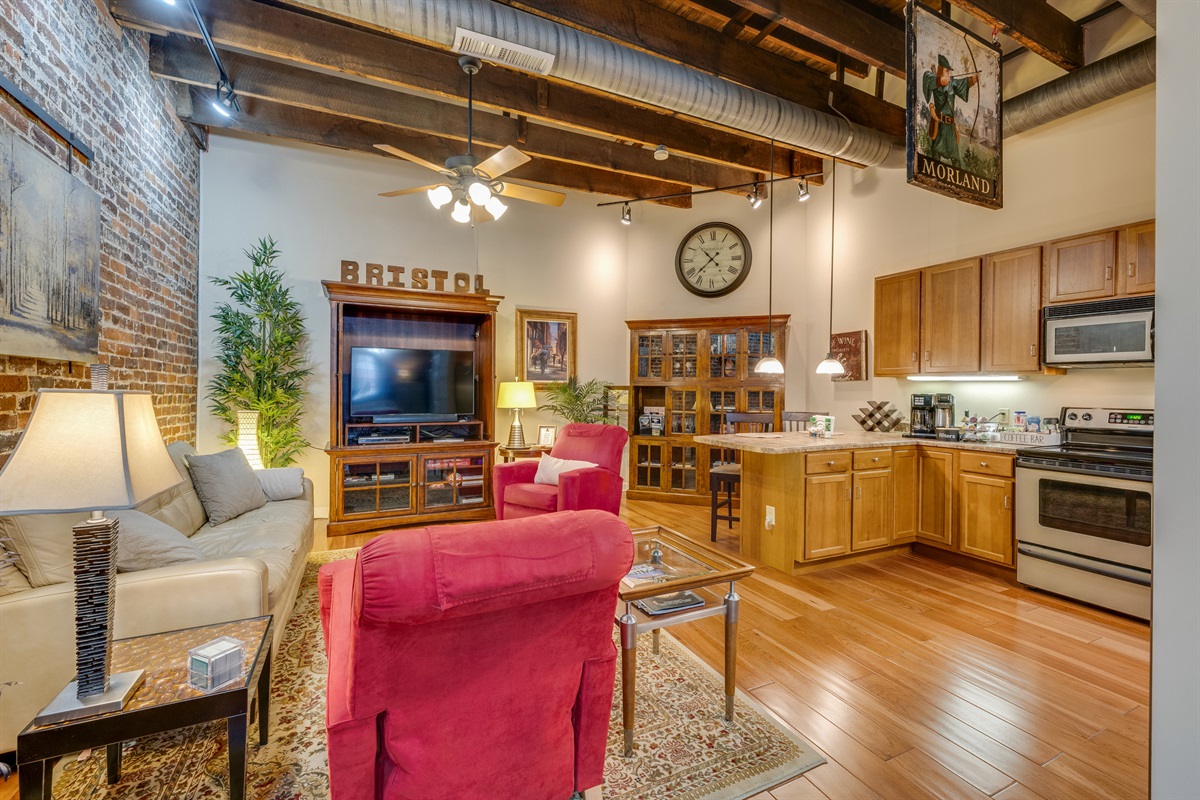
(179, 506)
(44, 545)
(533, 495)
(226, 485)
(549, 468)
(12, 580)
(281, 483)
(144, 542)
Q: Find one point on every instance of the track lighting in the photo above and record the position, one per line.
(440, 195)
(626, 215)
(495, 207)
(802, 190)
(462, 211)
(225, 102)
(755, 197)
(479, 193)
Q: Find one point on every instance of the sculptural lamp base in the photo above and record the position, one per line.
(516, 434)
(68, 705)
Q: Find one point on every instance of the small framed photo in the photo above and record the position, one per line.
(546, 434)
(545, 346)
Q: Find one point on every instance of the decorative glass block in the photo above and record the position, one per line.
(216, 664)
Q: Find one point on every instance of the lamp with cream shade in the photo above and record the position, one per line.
(516, 395)
(121, 463)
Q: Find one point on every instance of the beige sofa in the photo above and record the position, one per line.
(256, 562)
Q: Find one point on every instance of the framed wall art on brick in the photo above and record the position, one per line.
(49, 257)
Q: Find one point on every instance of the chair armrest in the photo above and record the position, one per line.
(505, 475)
(590, 487)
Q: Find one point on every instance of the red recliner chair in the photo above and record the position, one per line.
(473, 661)
(592, 487)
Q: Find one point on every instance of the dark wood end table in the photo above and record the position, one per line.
(684, 565)
(164, 702)
(533, 451)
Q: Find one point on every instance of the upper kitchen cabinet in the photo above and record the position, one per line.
(1012, 311)
(898, 324)
(1137, 248)
(1081, 268)
(950, 318)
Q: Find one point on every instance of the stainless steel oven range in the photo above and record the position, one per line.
(1085, 510)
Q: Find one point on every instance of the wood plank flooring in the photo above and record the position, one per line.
(922, 680)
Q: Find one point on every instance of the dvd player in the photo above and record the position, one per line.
(384, 440)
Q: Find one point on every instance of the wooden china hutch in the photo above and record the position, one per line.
(386, 474)
(692, 372)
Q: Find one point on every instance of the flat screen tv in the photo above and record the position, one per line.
(391, 384)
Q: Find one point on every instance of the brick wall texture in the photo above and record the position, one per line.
(71, 58)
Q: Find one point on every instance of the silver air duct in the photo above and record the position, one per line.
(1122, 72)
(591, 61)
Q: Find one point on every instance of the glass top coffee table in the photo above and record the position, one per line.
(665, 564)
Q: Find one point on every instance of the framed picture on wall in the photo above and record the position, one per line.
(545, 346)
(546, 435)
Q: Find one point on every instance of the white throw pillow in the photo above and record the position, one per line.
(281, 483)
(145, 543)
(549, 468)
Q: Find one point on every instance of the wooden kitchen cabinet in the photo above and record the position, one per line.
(935, 496)
(1137, 259)
(871, 517)
(950, 297)
(985, 524)
(897, 337)
(827, 510)
(1081, 268)
(904, 493)
(1012, 311)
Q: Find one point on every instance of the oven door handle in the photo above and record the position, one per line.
(1043, 556)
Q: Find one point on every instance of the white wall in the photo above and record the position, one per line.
(1175, 695)
(1059, 179)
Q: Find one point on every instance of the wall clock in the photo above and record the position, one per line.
(713, 259)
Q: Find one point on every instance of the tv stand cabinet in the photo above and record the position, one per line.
(423, 472)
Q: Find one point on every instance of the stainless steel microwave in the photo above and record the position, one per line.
(1106, 333)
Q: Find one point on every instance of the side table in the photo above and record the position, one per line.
(533, 451)
(164, 702)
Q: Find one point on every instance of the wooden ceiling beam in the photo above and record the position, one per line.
(303, 40)
(1034, 23)
(316, 127)
(741, 18)
(646, 27)
(187, 61)
(841, 26)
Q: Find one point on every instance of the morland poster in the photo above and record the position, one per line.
(954, 125)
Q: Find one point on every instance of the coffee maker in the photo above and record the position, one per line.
(943, 405)
(923, 422)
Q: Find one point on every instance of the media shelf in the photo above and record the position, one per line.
(385, 475)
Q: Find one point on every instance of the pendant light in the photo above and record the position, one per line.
(770, 365)
(831, 366)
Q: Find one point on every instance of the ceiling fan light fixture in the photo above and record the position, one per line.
(495, 207)
(440, 195)
(479, 192)
(462, 211)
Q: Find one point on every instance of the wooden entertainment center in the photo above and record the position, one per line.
(393, 473)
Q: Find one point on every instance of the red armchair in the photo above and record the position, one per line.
(592, 487)
(473, 661)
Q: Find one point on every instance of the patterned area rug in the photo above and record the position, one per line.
(685, 749)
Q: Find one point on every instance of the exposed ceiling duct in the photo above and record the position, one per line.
(1110, 77)
(1146, 9)
(592, 61)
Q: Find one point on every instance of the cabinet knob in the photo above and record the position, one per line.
(830, 463)
(876, 459)
(983, 464)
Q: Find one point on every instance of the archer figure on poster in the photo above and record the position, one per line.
(941, 89)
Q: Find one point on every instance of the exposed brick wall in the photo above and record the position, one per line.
(92, 77)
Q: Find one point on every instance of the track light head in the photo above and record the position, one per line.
(802, 193)
(755, 197)
(226, 102)
(626, 215)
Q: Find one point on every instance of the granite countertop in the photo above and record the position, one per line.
(801, 442)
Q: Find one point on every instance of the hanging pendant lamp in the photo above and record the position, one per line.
(831, 366)
(770, 365)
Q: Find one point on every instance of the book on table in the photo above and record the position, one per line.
(669, 603)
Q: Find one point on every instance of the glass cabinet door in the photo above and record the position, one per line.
(452, 480)
(650, 353)
(722, 349)
(683, 467)
(720, 402)
(685, 354)
(372, 486)
(760, 400)
(682, 411)
(648, 469)
(759, 344)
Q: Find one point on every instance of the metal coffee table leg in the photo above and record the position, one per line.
(628, 674)
(732, 604)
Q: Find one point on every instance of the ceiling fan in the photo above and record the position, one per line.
(474, 185)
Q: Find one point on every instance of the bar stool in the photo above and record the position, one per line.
(794, 421)
(726, 477)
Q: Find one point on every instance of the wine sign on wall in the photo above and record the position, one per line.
(425, 280)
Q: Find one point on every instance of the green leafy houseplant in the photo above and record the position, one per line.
(575, 401)
(261, 345)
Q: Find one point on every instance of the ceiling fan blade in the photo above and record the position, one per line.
(414, 190)
(396, 151)
(500, 163)
(543, 196)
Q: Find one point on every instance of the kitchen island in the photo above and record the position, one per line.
(807, 500)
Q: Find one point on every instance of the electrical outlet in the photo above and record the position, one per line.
(769, 519)
(1002, 418)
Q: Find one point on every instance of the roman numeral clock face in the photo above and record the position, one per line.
(713, 260)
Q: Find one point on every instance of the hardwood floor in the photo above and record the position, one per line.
(917, 679)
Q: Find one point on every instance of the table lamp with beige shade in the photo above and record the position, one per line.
(122, 462)
(516, 395)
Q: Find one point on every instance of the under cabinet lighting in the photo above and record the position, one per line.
(964, 378)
